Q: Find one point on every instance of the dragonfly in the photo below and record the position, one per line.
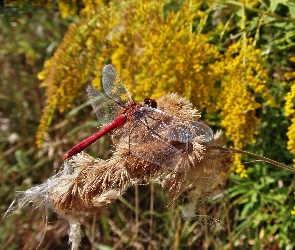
(149, 133)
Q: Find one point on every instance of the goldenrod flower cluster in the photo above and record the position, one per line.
(239, 167)
(250, 2)
(156, 50)
(290, 109)
(243, 72)
(67, 7)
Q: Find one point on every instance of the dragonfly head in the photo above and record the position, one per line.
(150, 103)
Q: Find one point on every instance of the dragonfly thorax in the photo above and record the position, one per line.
(129, 110)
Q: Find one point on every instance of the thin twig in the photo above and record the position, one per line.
(249, 8)
(93, 232)
(152, 188)
(136, 212)
(270, 161)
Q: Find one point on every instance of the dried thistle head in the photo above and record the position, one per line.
(207, 172)
(180, 165)
(92, 185)
(195, 170)
(178, 106)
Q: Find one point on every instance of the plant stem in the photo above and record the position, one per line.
(270, 161)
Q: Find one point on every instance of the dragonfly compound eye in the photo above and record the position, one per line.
(150, 102)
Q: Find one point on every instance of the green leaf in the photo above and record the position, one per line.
(21, 158)
(274, 4)
(291, 6)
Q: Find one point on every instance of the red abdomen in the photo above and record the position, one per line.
(118, 122)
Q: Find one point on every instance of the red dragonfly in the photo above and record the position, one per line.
(150, 133)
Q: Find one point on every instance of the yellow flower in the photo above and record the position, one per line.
(290, 109)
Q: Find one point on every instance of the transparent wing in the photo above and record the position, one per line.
(174, 128)
(105, 108)
(113, 86)
(144, 144)
(184, 132)
(163, 139)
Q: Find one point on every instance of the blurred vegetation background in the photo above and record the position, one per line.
(233, 59)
